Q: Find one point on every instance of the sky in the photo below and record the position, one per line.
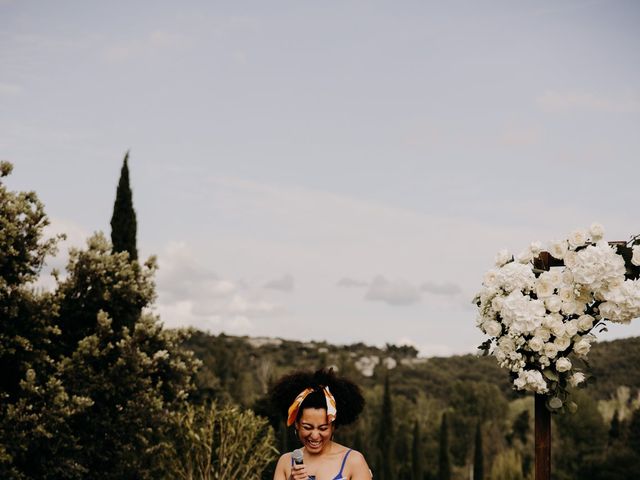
(343, 170)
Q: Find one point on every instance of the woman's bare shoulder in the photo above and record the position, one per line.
(358, 467)
(356, 457)
(283, 467)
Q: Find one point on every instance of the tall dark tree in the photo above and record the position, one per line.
(385, 442)
(444, 459)
(521, 426)
(416, 453)
(478, 457)
(614, 428)
(123, 220)
(633, 439)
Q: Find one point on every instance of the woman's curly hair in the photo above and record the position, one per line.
(349, 399)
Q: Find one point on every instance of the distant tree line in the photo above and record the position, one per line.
(441, 418)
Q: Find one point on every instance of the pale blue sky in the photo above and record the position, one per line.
(327, 170)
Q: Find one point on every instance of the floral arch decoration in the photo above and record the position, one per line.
(542, 307)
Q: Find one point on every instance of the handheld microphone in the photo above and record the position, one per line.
(297, 456)
(297, 459)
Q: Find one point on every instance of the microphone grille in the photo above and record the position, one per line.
(297, 456)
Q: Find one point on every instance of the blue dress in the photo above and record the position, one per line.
(339, 475)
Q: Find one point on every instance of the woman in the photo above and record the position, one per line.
(316, 404)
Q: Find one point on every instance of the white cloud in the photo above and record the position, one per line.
(283, 284)
(155, 41)
(520, 136)
(554, 101)
(10, 89)
(392, 292)
(191, 295)
(441, 288)
(76, 237)
(351, 282)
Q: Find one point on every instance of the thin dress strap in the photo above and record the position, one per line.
(344, 460)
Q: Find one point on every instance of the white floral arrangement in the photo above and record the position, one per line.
(541, 307)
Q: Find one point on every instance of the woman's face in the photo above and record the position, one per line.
(314, 429)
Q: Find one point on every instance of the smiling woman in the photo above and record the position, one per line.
(316, 404)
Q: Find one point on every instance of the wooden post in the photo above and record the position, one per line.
(542, 439)
(543, 262)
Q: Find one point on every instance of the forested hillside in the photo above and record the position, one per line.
(473, 391)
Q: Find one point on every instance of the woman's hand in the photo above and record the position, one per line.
(299, 472)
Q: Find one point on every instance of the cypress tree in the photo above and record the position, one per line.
(416, 453)
(634, 431)
(444, 460)
(385, 435)
(123, 221)
(614, 429)
(478, 458)
(521, 426)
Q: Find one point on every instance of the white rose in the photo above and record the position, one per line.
(558, 249)
(577, 239)
(531, 380)
(543, 289)
(542, 332)
(559, 329)
(571, 307)
(502, 257)
(613, 311)
(536, 344)
(562, 343)
(566, 294)
(571, 327)
(579, 307)
(554, 323)
(506, 345)
(576, 379)
(582, 347)
(553, 303)
(635, 259)
(497, 303)
(570, 259)
(596, 231)
(544, 361)
(555, 277)
(490, 278)
(563, 364)
(519, 383)
(567, 277)
(492, 328)
(536, 248)
(585, 322)
(525, 256)
(550, 350)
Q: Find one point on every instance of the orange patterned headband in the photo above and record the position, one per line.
(295, 406)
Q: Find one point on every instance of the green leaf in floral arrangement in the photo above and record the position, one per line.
(555, 403)
(485, 346)
(572, 407)
(550, 374)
